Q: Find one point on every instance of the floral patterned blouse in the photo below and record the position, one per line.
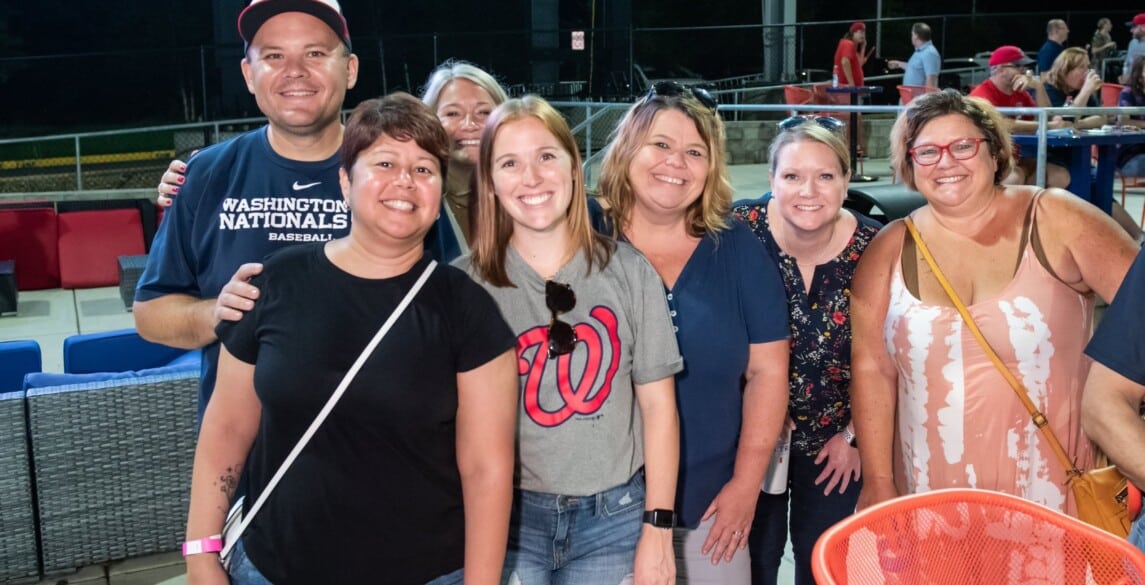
(820, 368)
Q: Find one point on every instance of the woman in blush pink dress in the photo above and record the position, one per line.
(930, 409)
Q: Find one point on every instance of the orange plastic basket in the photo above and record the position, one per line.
(961, 536)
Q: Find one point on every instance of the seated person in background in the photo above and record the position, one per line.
(1131, 157)
(851, 54)
(1070, 82)
(1115, 387)
(924, 64)
(1057, 31)
(1007, 87)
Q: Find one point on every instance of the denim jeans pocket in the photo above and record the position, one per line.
(624, 498)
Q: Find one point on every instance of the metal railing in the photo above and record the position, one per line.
(90, 162)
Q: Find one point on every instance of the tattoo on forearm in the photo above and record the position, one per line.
(228, 482)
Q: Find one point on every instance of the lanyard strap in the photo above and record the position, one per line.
(329, 406)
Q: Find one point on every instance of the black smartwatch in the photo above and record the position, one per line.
(660, 518)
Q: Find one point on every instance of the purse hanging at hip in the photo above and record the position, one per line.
(237, 522)
(1101, 494)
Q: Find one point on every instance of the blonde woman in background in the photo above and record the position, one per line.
(462, 95)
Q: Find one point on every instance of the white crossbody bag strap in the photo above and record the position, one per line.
(322, 414)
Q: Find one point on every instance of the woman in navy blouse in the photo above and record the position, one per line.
(816, 244)
(664, 185)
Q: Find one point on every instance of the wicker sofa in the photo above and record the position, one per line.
(107, 455)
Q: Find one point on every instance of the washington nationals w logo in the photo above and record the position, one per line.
(586, 397)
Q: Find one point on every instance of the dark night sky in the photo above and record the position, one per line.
(67, 65)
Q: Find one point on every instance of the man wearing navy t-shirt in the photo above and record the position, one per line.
(1115, 389)
(253, 194)
(1057, 31)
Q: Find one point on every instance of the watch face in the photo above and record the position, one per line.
(660, 518)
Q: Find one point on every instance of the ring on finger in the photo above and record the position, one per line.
(737, 533)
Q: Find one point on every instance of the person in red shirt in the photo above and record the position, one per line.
(851, 55)
(1009, 86)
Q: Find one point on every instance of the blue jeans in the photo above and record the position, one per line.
(1134, 167)
(1137, 533)
(575, 540)
(243, 572)
(811, 514)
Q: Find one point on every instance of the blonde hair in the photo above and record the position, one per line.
(456, 69)
(810, 132)
(495, 226)
(708, 214)
(926, 108)
(1069, 59)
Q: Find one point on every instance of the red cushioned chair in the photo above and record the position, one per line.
(28, 236)
(909, 92)
(90, 243)
(822, 96)
(793, 95)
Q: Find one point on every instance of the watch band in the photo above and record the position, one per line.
(849, 437)
(210, 544)
(660, 518)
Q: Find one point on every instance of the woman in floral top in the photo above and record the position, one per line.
(803, 225)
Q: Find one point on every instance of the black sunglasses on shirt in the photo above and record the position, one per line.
(560, 298)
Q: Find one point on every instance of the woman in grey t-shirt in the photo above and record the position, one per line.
(597, 435)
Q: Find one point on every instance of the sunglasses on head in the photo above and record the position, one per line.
(675, 89)
(831, 124)
(560, 298)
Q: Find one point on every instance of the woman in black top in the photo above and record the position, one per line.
(411, 475)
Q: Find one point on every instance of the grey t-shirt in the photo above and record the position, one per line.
(579, 430)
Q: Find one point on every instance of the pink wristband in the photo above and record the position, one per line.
(210, 544)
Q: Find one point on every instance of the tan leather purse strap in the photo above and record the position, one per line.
(1039, 418)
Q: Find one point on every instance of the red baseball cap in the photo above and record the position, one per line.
(1138, 20)
(857, 26)
(259, 11)
(1009, 54)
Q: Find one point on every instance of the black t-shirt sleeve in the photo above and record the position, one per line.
(241, 337)
(481, 333)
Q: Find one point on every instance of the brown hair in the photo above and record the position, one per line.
(926, 108)
(495, 226)
(1068, 60)
(1135, 82)
(400, 116)
(706, 214)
